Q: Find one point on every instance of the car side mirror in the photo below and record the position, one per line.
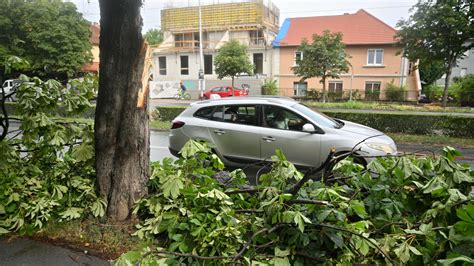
(309, 128)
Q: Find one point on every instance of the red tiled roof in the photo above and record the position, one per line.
(358, 28)
(95, 36)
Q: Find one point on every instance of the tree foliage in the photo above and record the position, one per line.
(51, 35)
(153, 36)
(430, 71)
(232, 60)
(438, 31)
(47, 163)
(398, 210)
(325, 57)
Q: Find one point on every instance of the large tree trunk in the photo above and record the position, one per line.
(121, 122)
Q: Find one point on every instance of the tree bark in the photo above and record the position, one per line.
(446, 85)
(233, 86)
(323, 80)
(121, 123)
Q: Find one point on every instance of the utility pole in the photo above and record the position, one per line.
(201, 57)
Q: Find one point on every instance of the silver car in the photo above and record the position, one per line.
(249, 129)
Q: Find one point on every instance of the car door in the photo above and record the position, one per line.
(300, 148)
(235, 133)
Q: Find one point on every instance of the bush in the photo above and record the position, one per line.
(372, 95)
(465, 90)
(270, 87)
(433, 92)
(446, 125)
(314, 94)
(431, 124)
(168, 113)
(394, 93)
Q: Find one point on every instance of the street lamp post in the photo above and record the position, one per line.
(201, 57)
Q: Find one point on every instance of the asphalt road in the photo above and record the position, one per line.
(26, 252)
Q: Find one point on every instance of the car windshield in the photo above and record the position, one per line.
(319, 118)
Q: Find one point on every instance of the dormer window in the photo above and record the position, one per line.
(375, 57)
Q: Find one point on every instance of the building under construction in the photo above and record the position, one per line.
(252, 22)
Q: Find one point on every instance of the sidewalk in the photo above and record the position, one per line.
(26, 252)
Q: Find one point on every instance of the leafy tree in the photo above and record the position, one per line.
(438, 31)
(231, 60)
(121, 119)
(153, 36)
(51, 35)
(430, 71)
(325, 57)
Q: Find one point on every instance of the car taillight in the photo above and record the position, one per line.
(177, 124)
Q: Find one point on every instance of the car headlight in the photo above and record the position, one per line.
(381, 147)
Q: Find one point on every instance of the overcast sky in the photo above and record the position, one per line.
(389, 11)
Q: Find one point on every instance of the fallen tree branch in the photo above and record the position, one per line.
(359, 235)
(307, 201)
(307, 176)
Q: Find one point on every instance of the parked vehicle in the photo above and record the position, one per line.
(225, 91)
(249, 129)
(9, 86)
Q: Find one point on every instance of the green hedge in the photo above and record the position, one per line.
(425, 124)
(12, 111)
(168, 113)
(446, 125)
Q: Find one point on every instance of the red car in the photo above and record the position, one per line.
(225, 92)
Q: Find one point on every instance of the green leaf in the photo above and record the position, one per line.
(172, 186)
(131, 257)
(300, 220)
(456, 259)
(359, 208)
(3, 231)
(83, 152)
(281, 253)
(2, 209)
(71, 213)
(415, 251)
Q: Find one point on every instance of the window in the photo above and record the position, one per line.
(298, 56)
(183, 39)
(300, 88)
(162, 65)
(372, 90)
(184, 65)
(335, 86)
(280, 118)
(205, 112)
(240, 114)
(208, 64)
(375, 57)
(258, 63)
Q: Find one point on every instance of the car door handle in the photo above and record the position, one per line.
(219, 132)
(269, 139)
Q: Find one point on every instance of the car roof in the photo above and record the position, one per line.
(247, 100)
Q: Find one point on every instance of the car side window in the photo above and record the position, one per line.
(240, 114)
(281, 118)
(205, 112)
(218, 114)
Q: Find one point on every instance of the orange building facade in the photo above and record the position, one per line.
(375, 59)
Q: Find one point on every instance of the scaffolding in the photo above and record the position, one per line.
(242, 15)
